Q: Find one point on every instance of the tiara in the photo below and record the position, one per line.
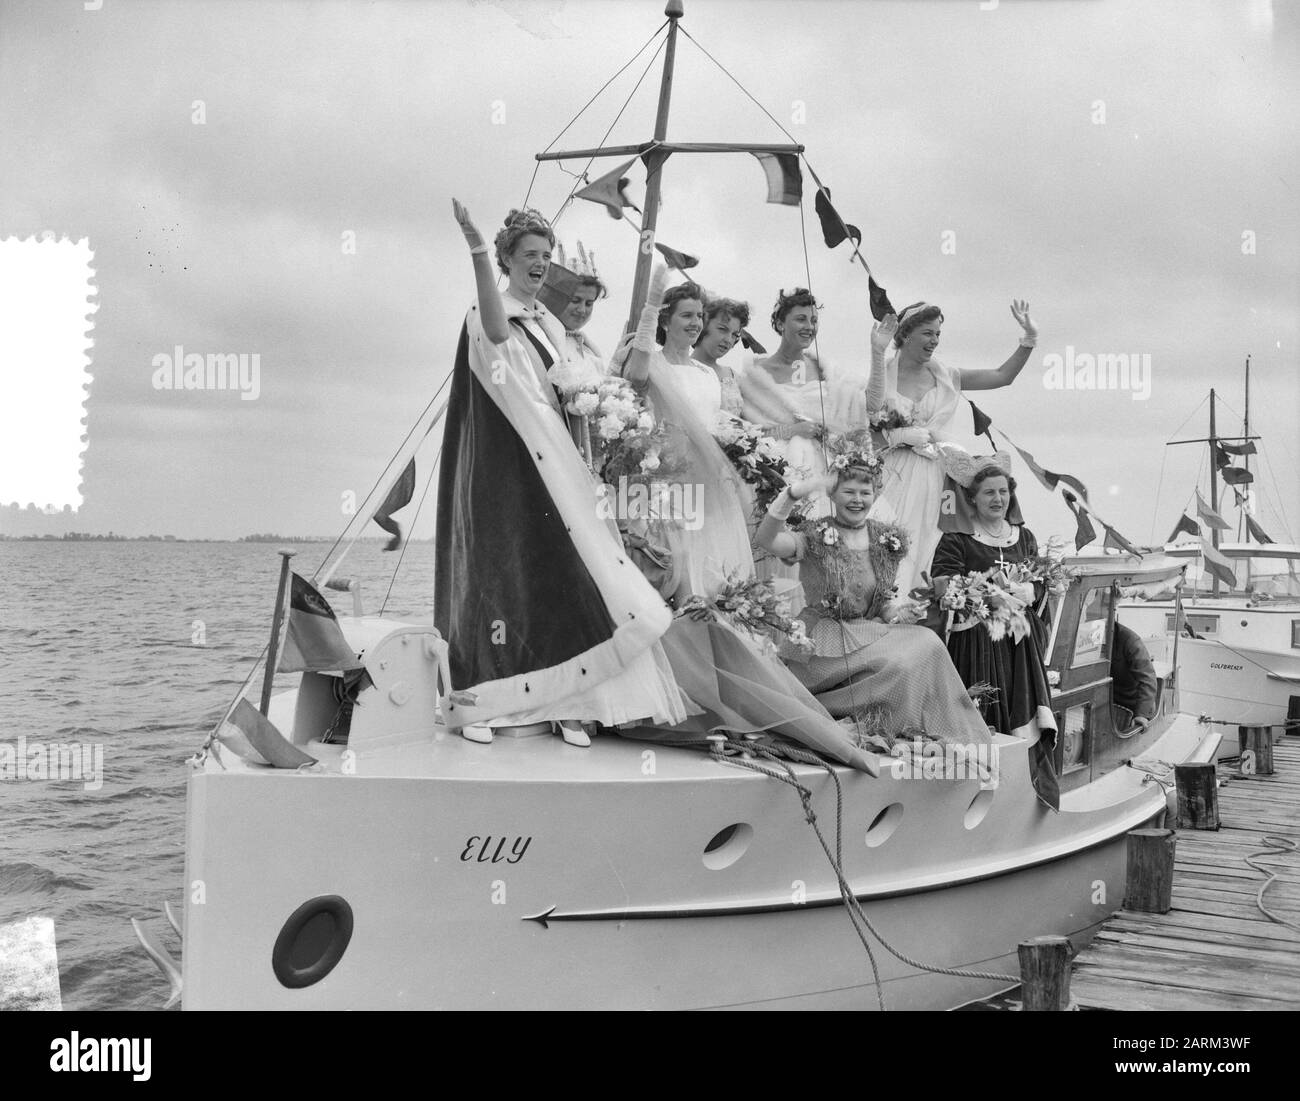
(854, 449)
(583, 266)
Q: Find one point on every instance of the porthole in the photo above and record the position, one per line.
(979, 807)
(727, 845)
(884, 824)
(312, 941)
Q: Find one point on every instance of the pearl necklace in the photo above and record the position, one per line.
(1000, 538)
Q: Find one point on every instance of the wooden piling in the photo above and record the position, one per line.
(1045, 974)
(1198, 796)
(1149, 884)
(1257, 741)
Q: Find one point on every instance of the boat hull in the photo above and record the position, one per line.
(535, 875)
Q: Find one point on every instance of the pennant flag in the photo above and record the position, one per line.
(1247, 448)
(1212, 518)
(1221, 457)
(1257, 533)
(835, 229)
(881, 307)
(398, 497)
(251, 735)
(1115, 541)
(679, 260)
(558, 288)
(609, 191)
(1084, 532)
(784, 180)
(1187, 524)
(747, 339)
(982, 419)
(1049, 479)
(1236, 476)
(1218, 564)
(315, 641)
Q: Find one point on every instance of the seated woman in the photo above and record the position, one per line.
(1014, 668)
(546, 619)
(867, 652)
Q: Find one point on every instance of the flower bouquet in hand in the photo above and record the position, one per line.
(756, 456)
(986, 599)
(628, 439)
(751, 606)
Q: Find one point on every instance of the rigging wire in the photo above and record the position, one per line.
(591, 160)
(538, 164)
(433, 469)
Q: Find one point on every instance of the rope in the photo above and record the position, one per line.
(591, 160)
(854, 908)
(1276, 846)
(538, 164)
(433, 469)
(1237, 722)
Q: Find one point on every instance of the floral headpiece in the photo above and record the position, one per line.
(963, 467)
(854, 450)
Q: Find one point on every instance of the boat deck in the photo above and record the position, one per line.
(1214, 949)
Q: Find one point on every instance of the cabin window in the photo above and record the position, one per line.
(1073, 726)
(1295, 634)
(1090, 640)
(1199, 624)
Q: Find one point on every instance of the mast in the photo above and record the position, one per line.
(655, 165)
(1214, 484)
(1245, 431)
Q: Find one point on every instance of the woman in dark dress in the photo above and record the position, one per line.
(1014, 668)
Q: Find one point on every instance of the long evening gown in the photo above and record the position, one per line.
(737, 682)
(911, 489)
(859, 661)
(1014, 668)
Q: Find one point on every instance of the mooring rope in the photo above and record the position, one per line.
(1276, 846)
(738, 759)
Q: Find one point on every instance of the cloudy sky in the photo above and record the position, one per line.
(275, 177)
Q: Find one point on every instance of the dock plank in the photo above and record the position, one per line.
(1214, 949)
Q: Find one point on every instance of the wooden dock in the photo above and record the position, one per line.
(1214, 949)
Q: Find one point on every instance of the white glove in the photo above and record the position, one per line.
(644, 341)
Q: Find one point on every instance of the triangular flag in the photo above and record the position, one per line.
(314, 641)
(982, 419)
(1218, 564)
(1187, 524)
(1084, 532)
(1115, 541)
(251, 735)
(679, 260)
(1212, 518)
(608, 191)
(748, 341)
(1236, 476)
(835, 230)
(1247, 448)
(881, 307)
(784, 180)
(398, 497)
(1257, 533)
(1049, 479)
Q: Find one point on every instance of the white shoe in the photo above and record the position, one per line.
(573, 733)
(482, 734)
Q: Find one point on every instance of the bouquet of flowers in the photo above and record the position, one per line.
(624, 431)
(985, 599)
(890, 416)
(751, 606)
(755, 455)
